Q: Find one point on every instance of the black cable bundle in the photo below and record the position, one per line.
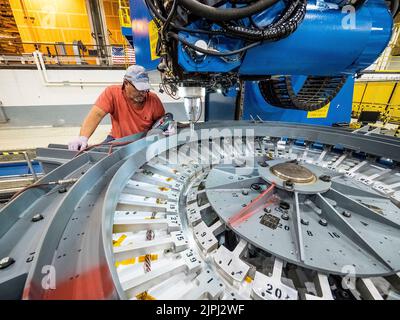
(226, 14)
(283, 27)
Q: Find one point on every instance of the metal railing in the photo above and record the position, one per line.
(124, 13)
(389, 113)
(387, 62)
(75, 53)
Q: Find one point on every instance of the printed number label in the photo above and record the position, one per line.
(287, 228)
(274, 291)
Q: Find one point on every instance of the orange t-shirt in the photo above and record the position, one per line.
(125, 119)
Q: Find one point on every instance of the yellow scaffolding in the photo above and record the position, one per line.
(381, 96)
(388, 62)
(124, 13)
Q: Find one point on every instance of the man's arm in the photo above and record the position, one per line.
(89, 125)
(92, 121)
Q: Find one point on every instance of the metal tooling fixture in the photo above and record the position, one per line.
(297, 244)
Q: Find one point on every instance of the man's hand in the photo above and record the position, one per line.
(171, 129)
(78, 143)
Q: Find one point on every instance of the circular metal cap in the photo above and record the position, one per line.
(293, 177)
(293, 172)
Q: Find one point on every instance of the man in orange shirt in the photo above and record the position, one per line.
(132, 107)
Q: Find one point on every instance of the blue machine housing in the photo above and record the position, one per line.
(128, 34)
(326, 43)
(329, 42)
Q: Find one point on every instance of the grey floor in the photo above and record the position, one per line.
(33, 137)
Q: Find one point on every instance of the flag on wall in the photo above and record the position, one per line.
(121, 55)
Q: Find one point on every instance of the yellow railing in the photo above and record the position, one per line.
(383, 97)
(387, 62)
(124, 13)
(71, 53)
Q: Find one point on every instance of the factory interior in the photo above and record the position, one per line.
(200, 150)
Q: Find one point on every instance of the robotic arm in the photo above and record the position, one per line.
(301, 52)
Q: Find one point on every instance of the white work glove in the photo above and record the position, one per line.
(154, 132)
(78, 143)
(171, 130)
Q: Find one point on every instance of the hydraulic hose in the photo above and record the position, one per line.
(394, 7)
(241, 1)
(212, 52)
(153, 11)
(282, 28)
(225, 14)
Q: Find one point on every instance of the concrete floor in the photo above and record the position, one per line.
(33, 137)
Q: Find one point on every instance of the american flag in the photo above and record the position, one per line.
(121, 55)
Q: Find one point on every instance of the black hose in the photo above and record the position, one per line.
(258, 32)
(170, 15)
(172, 12)
(224, 14)
(247, 32)
(394, 7)
(156, 15)
(160, 7)
(241, 1)
(211, 52)
(282, 28)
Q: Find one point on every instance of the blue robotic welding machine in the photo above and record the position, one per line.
(298, 57)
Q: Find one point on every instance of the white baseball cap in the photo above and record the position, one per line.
(138, 76)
